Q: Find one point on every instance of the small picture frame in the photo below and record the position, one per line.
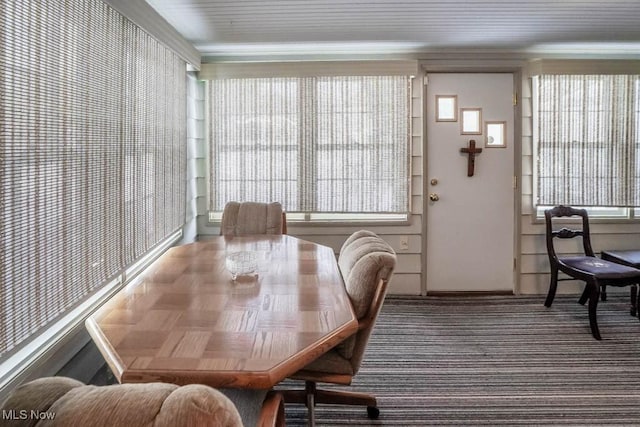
(495, 134)
(446, 108)
(471, 121)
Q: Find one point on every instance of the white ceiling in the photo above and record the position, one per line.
(250, 27)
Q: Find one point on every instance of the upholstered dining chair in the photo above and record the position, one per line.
(595, 272)
(62, 401)
(366, 263)
(243, 218)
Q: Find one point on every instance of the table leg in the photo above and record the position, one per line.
(634, 300)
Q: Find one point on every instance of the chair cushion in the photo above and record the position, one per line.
(631, 258)
(365, 260)
(355, 236)
(38, 395)
(135, 405)
(251, 218)
(363, 263)
(600, 268)
(198, 405)
(130, 404)
(331, 363)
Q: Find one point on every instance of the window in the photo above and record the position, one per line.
(92, 157)
(319, 145)
(587, 134)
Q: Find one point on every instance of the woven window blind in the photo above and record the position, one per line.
(588, 143)
(336, 144)
(92, 155)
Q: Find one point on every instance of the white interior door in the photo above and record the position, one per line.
(470, 227)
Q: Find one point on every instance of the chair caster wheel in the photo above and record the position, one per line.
(373, 412)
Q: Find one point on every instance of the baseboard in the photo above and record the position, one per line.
(468, 293)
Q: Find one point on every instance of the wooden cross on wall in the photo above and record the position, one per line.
(471, 151)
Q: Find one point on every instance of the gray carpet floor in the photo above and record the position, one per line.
(495, 361)
(472, 361)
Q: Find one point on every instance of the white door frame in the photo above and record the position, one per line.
(478, 67)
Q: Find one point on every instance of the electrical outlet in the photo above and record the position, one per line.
(404, 243)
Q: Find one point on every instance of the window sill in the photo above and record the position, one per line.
(621, 216)
(351, 223)
(332, 220)
(592, 220)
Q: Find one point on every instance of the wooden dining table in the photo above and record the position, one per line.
(185, 320)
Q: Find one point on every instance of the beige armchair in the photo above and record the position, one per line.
(61, 401)
(366, 263)
(253, 218)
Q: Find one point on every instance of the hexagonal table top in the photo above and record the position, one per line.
(185, 320)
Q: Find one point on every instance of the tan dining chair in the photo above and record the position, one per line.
(246, 218)
(366, 263)
(73, 403)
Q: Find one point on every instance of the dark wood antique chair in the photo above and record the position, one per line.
(595, 272)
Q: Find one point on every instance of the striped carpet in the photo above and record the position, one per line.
(495, 361)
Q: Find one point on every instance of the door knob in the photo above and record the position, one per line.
(434, 197)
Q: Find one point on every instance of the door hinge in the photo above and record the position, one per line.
(426, 80)
(515, 98)
(515, 182)
(515, 264)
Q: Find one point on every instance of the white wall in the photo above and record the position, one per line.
(533, 267)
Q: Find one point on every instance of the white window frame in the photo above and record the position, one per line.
(215, 217)
(330, 218)
(599, 214)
